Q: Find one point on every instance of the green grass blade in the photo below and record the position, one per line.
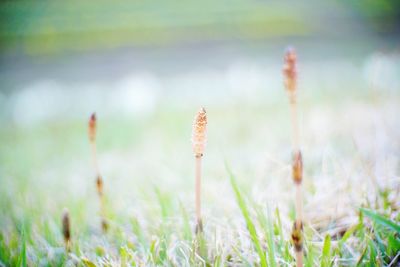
(138, 231)
(381, 220)
(372, 254)
(349, 233)
(187, 232)
(250, 226)
(217, 261)
(264, 219)
(22, 256)
(310, 256)
(5, 252)
(283, 247)
(87, 262)
(360, 260)
(326, 252)
(163, 201)
(393, 245)
(271, 245)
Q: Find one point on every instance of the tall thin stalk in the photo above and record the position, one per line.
(99, 180)
(290, 81)
(198, 143)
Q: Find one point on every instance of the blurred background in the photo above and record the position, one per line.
(145, 68)
(66, 59)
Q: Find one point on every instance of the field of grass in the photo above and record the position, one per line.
(351, 186)
(146, 68)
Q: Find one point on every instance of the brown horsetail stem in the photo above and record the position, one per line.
(66, 230)
(290, 81)
(92, 129)
(199, 142)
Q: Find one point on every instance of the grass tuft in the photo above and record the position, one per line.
(245, 212)
(22, 256)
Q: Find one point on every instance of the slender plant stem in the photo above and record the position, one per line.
(198, 143)
(296, 149)
(299, 258)
(198, 191)
(298, 184)
(68, 246)
(94, 158)
(295, 125)
(299, 203)
(99, 182)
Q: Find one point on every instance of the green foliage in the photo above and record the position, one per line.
(153, 226)
(310, 256)
(245, 212)
(393, 244)
(5, 253)
(266, 224)
(326, 252)
(381, 220)
(187, 232)
(87, 262)
(22, 256)
(377, 246)
(164, 203)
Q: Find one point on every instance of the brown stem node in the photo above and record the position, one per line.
(297, 167)
(99, 185)
(199, 226)
(66, 229)
(297, 235)
(104, 225)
